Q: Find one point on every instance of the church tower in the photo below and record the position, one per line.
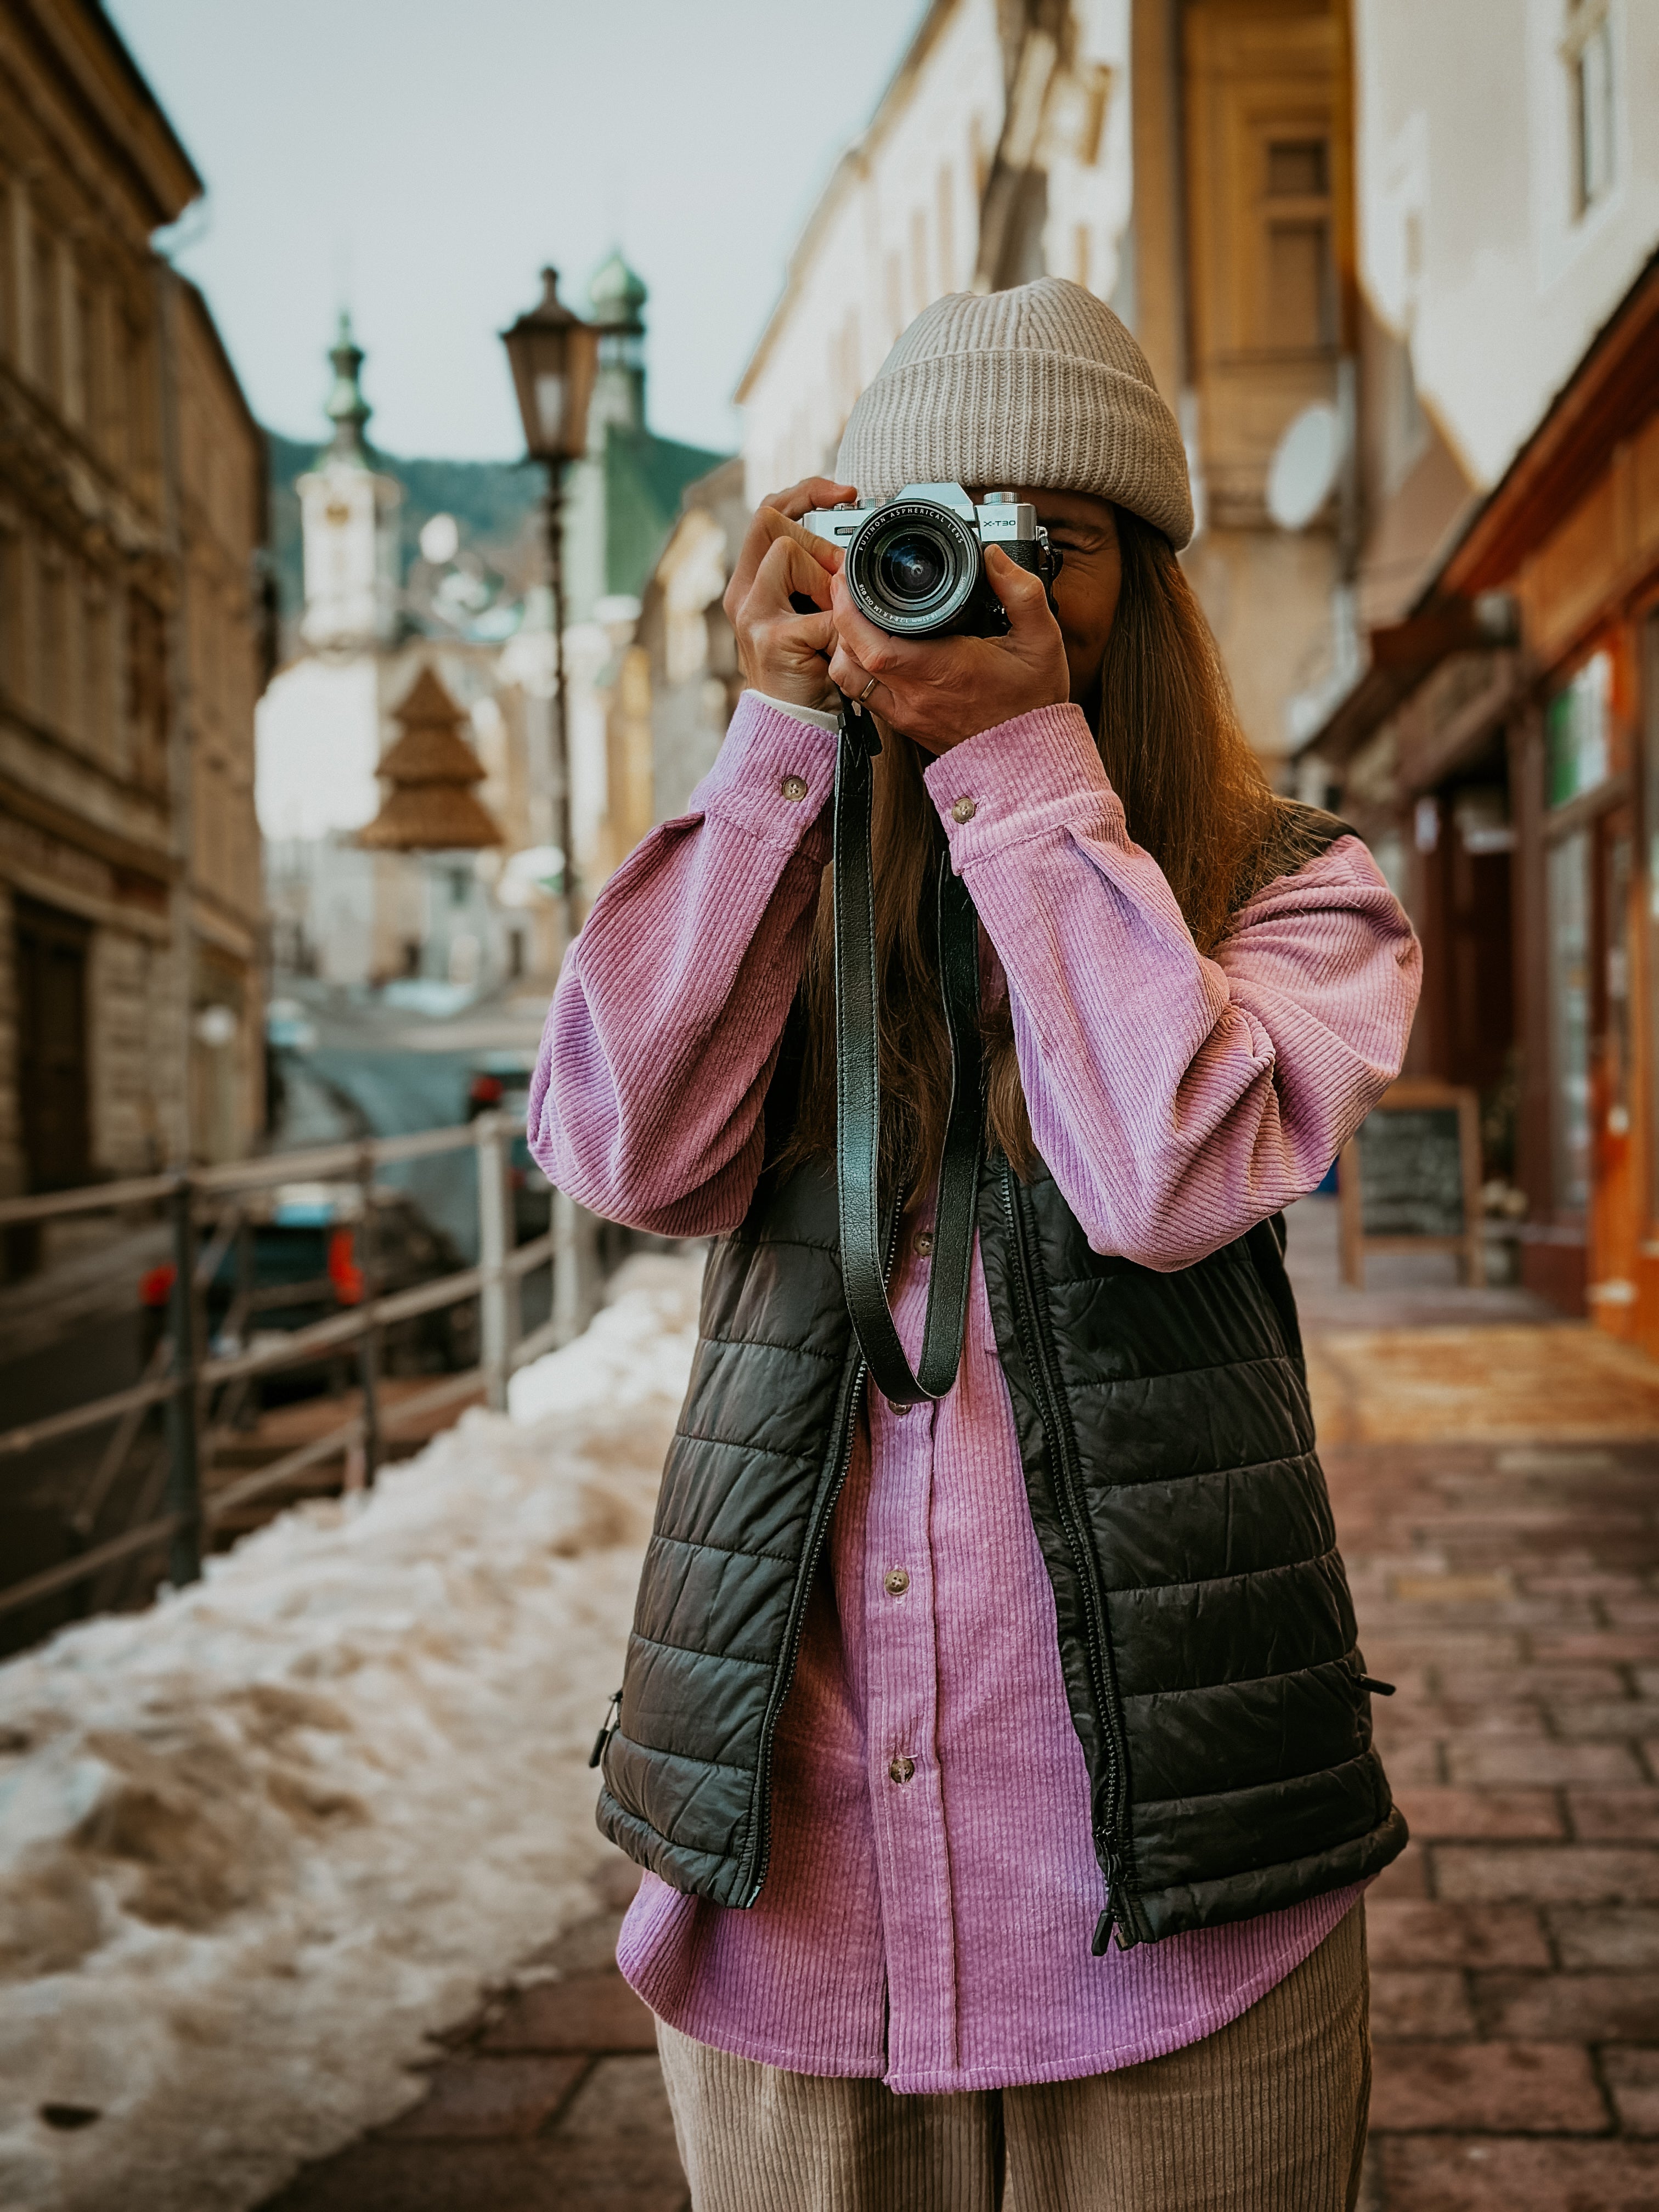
(349, 520)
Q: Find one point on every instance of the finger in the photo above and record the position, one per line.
(768, 526)
(871, 647)
(1024, 596)
(812, 491)
(792, 564)
(856, 683)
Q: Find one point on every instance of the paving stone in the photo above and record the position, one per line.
(1607, 1816)
(1449, 2173)
(583, 2012)
(488, 2097)
(1622, 1936)
(1406, 1876)
(1562, 1685)
(1532, 2089)
(1632, 2076)
(620, 2096)
(589, 1947)
(1446, 1716)
(1629, 1717)
(1513, 1759)
(1409, 2005)
(1417, 1762)
(1432, 1813)
(550, 2176)
(1609, 1646)
(1593, 1874)
(1590, 2008)
(1404, 1931)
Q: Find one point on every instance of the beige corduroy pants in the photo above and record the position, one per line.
(1268, 2115)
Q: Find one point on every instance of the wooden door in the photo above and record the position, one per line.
(53, 1068)
(1615, 1224)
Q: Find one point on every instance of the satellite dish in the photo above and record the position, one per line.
(1305, 466)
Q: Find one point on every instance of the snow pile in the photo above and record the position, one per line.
(257, 1841)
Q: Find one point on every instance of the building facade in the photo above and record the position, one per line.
(1499, 740)
(133, 638)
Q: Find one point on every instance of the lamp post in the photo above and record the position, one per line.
(554, 355)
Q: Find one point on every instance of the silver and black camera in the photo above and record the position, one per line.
(915, 564)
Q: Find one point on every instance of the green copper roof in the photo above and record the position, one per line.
(618, 293)
(644, 477)
(345, 406)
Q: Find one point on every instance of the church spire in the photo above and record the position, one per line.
(346, 407)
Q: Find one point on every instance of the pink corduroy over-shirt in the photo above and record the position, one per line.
(932, 1890)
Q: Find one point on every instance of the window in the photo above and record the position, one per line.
(1577, 756)
(53, 700)
(48, 351)
(1570, 1018)
(1589, 62)
(1300, 303)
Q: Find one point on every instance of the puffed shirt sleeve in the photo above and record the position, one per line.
(646, 1104)
(1178, 1099)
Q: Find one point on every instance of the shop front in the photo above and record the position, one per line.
(1503, 751)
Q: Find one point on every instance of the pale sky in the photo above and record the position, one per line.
(421, 162)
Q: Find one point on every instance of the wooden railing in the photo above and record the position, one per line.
(183, 1378)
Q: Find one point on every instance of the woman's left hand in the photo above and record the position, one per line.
(939, 691)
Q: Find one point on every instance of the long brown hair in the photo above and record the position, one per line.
(1194, 797)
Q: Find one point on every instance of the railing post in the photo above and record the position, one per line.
(498, 1300)
(184, 1486)
(573, 1265)
(369, 1346)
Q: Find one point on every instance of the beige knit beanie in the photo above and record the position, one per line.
(1041, 385)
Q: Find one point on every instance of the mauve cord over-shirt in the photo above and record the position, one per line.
(933, 1931)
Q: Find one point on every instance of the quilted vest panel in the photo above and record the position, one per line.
(1206, 1636)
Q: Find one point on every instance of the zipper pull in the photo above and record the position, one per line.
(613, 1718)
(1377, 1689)
(1102, 1931)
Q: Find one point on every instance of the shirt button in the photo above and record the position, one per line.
(900, 1769)
(963, 810)
(925, 1245)
(794, 786)
(895, 1582)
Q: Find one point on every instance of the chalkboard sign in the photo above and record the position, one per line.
(1410, 1181)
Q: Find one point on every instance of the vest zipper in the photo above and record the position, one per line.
(1112, 1844)
(814, 1553)
(608, 1727)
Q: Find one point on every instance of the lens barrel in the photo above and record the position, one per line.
(913, 568)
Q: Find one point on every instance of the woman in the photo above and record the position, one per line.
(925, 1706)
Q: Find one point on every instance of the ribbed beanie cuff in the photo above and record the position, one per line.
(1043, 385)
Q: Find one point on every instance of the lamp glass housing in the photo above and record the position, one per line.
(553, 355)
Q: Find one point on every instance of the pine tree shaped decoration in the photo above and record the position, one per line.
(431, 768)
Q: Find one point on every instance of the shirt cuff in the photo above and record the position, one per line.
(774, 776)
(1041, 772)
(820, 717)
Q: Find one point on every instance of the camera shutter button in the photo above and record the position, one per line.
(794, 786)
(963, 810)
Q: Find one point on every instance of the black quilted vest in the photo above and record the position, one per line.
(1206, 1635)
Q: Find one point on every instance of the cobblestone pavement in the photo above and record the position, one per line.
(1496, 1483)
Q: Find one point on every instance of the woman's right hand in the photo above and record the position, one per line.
(782, 652)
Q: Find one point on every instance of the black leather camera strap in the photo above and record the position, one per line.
(864, 1250)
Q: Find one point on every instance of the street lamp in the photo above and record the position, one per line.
(554, 355)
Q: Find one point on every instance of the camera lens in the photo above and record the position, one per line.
(910, 567)
(913, 567)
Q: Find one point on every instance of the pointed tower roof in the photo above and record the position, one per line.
(431, 769)
(345, 406)
(617, 293)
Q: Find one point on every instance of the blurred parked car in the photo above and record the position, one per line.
(306, 1251)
